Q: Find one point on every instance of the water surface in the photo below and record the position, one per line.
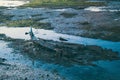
(105, 70)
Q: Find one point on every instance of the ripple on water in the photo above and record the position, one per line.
(99, 9)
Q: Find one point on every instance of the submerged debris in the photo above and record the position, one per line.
(70, 53)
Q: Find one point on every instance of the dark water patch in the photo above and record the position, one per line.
(1, 7)
(68, 15)
(36, 15)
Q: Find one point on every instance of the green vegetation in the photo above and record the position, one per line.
(62, 3)
(18, 23)
(5, 19)
(26, 23)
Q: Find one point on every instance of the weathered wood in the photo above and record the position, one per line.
(54, 45)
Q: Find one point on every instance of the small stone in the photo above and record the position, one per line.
(26, 78)
(62, 39)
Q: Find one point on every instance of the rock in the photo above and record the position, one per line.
(26, 33)
(62, 39)
(2, 60)
(2, 36)
(26, 78)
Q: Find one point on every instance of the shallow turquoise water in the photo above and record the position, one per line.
(104, 70)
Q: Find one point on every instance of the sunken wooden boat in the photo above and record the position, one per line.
(54, 45)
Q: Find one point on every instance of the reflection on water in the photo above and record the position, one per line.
(19, 33)
(111, 6)
(9, 3)
(95, 9)
(99, 9)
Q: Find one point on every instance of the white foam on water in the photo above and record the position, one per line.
(99, 9)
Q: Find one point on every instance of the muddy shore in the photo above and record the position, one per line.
(12, 69)
(16, 71)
